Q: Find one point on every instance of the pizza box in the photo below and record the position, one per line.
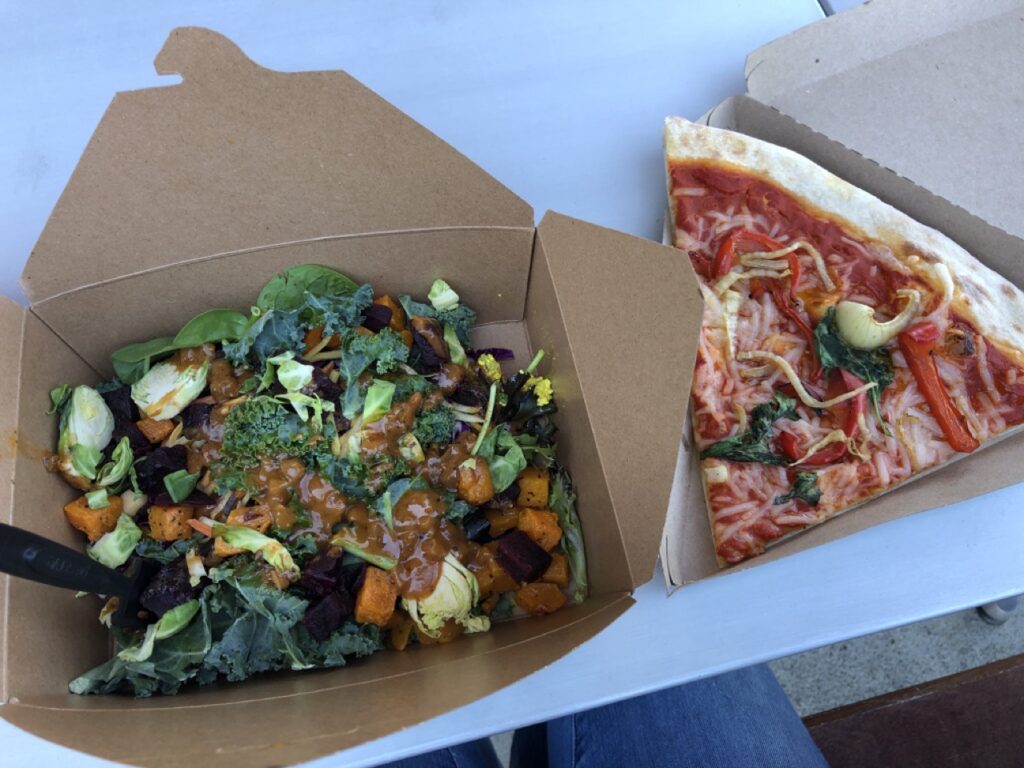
(191, 196)
(917, 103)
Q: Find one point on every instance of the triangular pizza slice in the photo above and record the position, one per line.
(845, 348)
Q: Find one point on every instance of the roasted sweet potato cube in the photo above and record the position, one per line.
(397, 323)
(194, 462)
(170, 523)
(450, 631)
(93, 522)
(558, 572)
(475, 485)
(502, 520)
(313, 337)
(222, 549)
(224, 385)
(533, 488)
(400, 634)
(406, 338)
(541, 525)
(256, 517)
(492, 578)
(155, 431)
(539, 598)
(376, 599)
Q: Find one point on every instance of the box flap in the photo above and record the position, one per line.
(287, 718)
(916, 88)
(626, 303)
(183, 172)
(12, 326)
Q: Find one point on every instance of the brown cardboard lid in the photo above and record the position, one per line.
(352, 163)
(930, 90)
(624, 301)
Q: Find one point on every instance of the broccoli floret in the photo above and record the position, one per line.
(461, 318)
(434, 426)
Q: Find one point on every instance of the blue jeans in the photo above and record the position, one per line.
(737, 720)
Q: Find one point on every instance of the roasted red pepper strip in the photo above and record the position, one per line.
(917, 344)
(858, 406)
(834, 452)
(726, 255)
(794, 274)
(827, 455)
(785, 304)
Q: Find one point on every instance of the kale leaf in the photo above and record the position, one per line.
(460, 317)
(754, 444)
(258, 427)
(868, 366)
(242, 628)
(805, 488)
(385, 350)
(435, 426)
(164, 554)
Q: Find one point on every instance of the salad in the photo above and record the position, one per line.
(330, 475)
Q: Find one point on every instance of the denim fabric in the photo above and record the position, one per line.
(737, 720)
(472, 754)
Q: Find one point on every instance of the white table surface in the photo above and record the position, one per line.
(563, 102)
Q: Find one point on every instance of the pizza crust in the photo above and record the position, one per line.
(991, 303)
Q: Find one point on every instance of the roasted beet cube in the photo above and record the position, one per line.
(197, 416)
(352, 576)
(138, 442)
(322, 386)
(376, 317)
(471, 392)
(510, 495)
(521, 558)
(158, 464)
(119, 401)
(324, 616)
(169, 588)
(477, 527)
(498, 353)
(195, 499)
(321, 574)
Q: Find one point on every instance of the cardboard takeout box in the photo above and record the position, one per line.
(917, 103)
(191, 196)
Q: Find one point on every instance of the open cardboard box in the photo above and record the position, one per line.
(918, 104)
(193, 195)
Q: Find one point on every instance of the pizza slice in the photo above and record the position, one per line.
(845, 349)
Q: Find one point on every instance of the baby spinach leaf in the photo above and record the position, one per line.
(754, 444)
(869, 366)
(287, 291)
(805, 488)
(212, 325)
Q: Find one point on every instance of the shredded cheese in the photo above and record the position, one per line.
(819, 264)
(835, 436)
(741, 417)
(798, 385)
(755, 372)
(726, 282)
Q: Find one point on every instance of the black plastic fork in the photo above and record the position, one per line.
(31, 556)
